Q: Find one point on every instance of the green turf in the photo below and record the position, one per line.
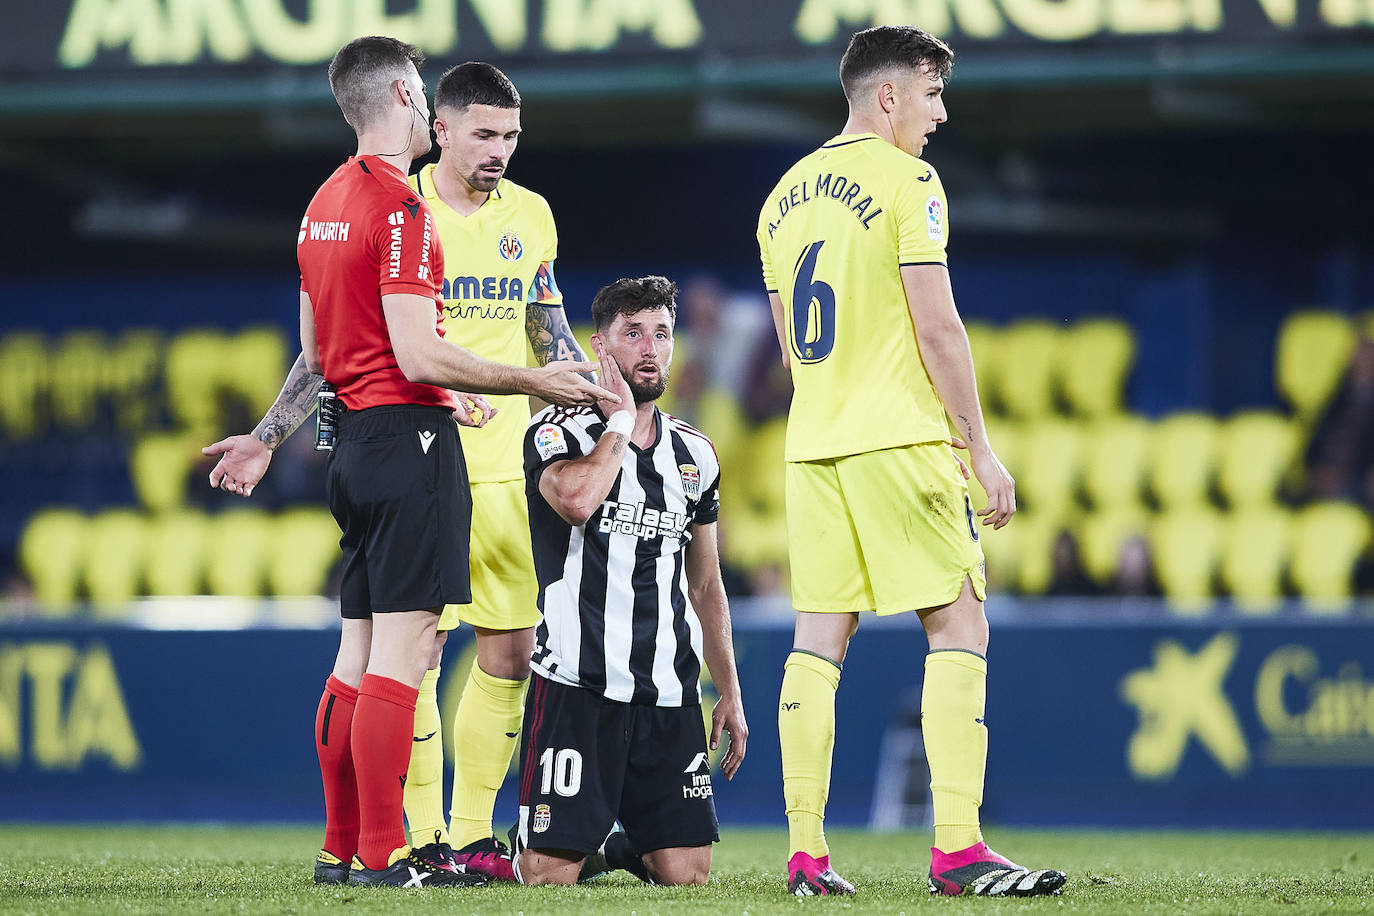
(178, 869)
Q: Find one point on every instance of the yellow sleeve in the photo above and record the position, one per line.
(550, 252)
(922, 218)
(766, 256)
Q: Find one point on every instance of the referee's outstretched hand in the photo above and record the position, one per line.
(243, 461)
(563, 383)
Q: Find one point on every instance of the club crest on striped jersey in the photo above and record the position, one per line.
(510, 247)
(691, 480)
(541, 819)
(549, 441)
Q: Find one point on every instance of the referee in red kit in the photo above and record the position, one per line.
(371, 266)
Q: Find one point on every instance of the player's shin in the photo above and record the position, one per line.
(382, 727)
(333, 725)
(424, 792)
(486, 729)
(806, 731)
(956, 741)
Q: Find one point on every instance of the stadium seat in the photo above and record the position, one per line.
(1101, 535)
(1002, 554)
(52, 548)
(241, 543)
(1095, 359)
(256, 365)
(305, 548)
(23, 385)
(984, 340)
(763, 466)
(195, 369)
(1256, 450)
(78, 380)
(160, 465)
(1115, 458)
(1035, 535)
(1183, 450)
(1329, 540)
(722, 419)
(1029, 353)
(1049, 455)
(1313, 351)
(1186, 546)
(1254, 553)
(177, 544)
(115, 560)
(133, 379)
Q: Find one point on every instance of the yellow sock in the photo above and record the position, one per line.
(952, 700)
(485, 732)
(424, 791)
(806, 731)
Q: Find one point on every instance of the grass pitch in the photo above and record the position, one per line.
(206, 869)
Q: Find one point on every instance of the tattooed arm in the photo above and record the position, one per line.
(551, 337)
(244, 459)
(943, 343)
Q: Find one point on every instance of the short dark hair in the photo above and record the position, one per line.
(362, 72)
(475, 83)
(888, 46)
(628, 296)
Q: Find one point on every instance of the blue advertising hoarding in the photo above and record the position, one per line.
(1217, 723)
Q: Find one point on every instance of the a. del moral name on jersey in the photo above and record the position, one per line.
(835, 187)
(638, 520)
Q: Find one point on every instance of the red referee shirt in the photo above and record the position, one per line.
(365, 235)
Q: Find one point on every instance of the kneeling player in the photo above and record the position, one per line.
(623, 503)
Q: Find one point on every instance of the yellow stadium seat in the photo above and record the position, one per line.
(1254, 554)
(175, 559)
(52, 547)
(1329, 539)
(306, 548)
(984, 341)
(1115, 458)
(115, 560)
(256, 365)
(1313, 351)
(78, 367)
(1050, 456)
(1186, 546)
(1002, 554)
(1029, 353)
(23, 384)
(763, 467)
(722, 419)
(1102, 534)
(240, 544)
(1256, 450)
(160, 465)
(1095, 359)
(1036, 534)
(132, 376)
(195, 369)
(1183, 449)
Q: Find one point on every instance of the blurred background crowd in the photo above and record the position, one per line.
(1159, 241)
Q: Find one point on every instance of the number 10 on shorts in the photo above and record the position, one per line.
(562, 772)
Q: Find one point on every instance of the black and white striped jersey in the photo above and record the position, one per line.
(613, 591)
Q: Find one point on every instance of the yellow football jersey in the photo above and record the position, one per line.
(833, 236)
(495, 262)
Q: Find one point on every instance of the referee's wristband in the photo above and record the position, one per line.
(621, 422)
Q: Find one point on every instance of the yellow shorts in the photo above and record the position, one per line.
(886, 531)
(505, 592)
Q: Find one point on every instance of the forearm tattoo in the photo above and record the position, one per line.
(968, 430)
(551, 337)
(296, 402)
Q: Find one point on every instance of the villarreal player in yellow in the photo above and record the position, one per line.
(500, 243)
(878, 514)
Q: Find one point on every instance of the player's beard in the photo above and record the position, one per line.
(481, 181)
(645, 392)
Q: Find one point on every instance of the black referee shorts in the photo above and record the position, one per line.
(586, 761)
(398, 487)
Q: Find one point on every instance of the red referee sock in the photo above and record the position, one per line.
(333, 724)
(383, 727)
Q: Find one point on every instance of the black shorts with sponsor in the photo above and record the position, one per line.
(586, 761)
(398, 487)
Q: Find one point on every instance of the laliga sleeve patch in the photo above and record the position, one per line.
(549, 441)
(935, 218)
